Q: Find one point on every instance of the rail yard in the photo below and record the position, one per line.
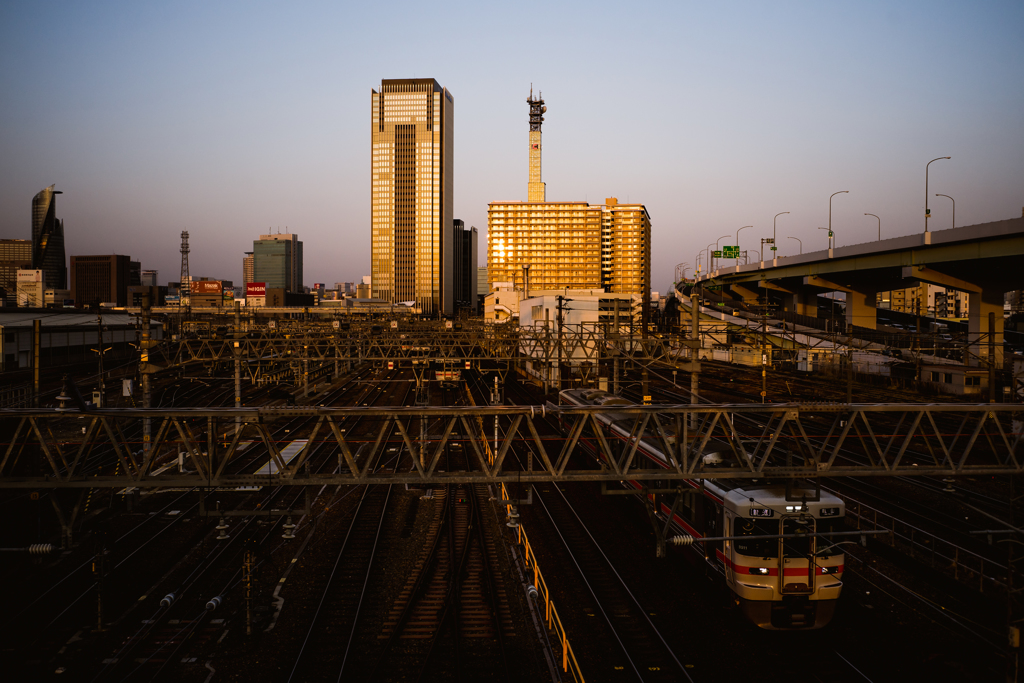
(287, 497)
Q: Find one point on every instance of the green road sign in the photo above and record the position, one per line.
(716, 253)
(769, 240)
(774, 248)
(830, 233)
(731, 252)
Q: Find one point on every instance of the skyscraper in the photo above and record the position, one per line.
(248, 268)
(411, 205)
(48, 239)
(277, 261)
(464, 266)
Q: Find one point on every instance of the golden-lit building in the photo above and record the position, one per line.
(567, 245)
(411, 213)
(570, 245)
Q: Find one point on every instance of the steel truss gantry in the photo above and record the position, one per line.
(49, 449)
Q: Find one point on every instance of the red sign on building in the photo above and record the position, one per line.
(255, 289)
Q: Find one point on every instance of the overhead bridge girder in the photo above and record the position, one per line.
(753, 441)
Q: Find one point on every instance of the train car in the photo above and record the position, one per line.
(781, 572)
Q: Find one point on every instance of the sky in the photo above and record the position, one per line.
(232, 119)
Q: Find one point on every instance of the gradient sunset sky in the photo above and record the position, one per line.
(232, 119)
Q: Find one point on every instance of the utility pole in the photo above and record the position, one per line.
(561, 307)
(147, 426)
(694, 354)
(37, 342)
(238, 364)
(101, 351)
(764, 352)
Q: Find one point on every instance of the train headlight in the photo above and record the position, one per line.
(759, 571)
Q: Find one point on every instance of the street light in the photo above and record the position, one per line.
(774, 236)
(801, 243)
(926, 210)
(738, 242)
(954, 205)
(879, 225)
(830, 215)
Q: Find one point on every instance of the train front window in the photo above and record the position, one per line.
(752, 542)
(826, 546)
(801, 545)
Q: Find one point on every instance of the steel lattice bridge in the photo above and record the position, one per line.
(243, 447)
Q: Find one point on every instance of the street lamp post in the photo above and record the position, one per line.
(954, 205)
(707, 259)
(926, 210)
(719, 240)
(774, 234)
(801, 243)
(879, 225)
(830, 215)
(738, 243)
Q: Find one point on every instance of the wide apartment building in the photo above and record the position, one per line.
(570, 245)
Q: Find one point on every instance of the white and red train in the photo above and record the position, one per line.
(780, 570)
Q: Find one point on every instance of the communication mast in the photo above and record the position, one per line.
(186, 281)
(535, 190)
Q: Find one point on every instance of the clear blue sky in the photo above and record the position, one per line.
(227, 119)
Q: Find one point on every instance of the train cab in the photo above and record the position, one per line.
(783, 573)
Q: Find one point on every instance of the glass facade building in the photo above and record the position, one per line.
(277, 261)
(412, 183)
(48, 239)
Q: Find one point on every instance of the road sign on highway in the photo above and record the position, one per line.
(717, 253)
(774, 248)
(769, 240)
(731, 252)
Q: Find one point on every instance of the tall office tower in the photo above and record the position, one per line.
(135, 273)
(48, 239)
(412, 172)
(248, 267)
(14, 255)
(277, 261)
(99, 279)
(535, 191)
(149, 278)
(464, 266)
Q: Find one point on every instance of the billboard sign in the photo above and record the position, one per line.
(30, 276)
(255, 289)
(206, 287)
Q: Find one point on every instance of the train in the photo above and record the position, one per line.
(778, 583)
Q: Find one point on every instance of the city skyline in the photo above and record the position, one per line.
(149, 118)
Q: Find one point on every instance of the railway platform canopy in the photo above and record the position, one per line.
(983, 261)
(229, 448)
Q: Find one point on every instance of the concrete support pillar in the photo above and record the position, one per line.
(860, 302)
(979, 306)
(804, 301)
(860, 309)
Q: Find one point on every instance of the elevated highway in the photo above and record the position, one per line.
(984, 261)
